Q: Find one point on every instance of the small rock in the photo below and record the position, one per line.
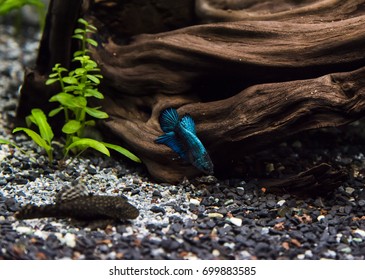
(228, 202)
(320, 218)
(194, 201)
(330, 254)
(308, 253)
(157, 209)
(281, 202)
(235, 221)
(230, 245)
(360, 232)
(349, 190)
(69, 240)
(156, 193)
(344, 249)
(215, 215)
(244, 255)
(271, 203)
(24, 230)
(216, 253)
(361, 202)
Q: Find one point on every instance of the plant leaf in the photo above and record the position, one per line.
(51, 81)
(55, 112)
(92, 42)
(122, 151)
(79, 31)
(96, 113)
(69, 101)
(80, 71)
(90, 123)
(70, 80)
(29, 120)
(78, 53)
(62, 98)
(53, 75)
(6, 142)
(71, 127)
(35, 137)
(94, 93)
(78, 36)
(82, 21)
(85, 143)
(44, 128)
(93, 79)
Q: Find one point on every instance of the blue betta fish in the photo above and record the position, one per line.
(180, 136)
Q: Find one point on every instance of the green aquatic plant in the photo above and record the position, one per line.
(6, 6)
(77, 87)
(45, 136)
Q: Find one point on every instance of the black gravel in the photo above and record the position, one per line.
(207, 218)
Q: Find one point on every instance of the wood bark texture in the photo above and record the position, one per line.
(250, 73)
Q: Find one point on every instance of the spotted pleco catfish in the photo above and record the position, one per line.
(180, 136)
(76, 202)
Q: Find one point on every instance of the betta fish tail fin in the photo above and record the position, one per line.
(169, 119)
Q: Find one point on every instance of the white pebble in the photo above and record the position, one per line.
(157, 252)
(69, 240)
(265, 230)
(349, 190)
(229, 245)
(338, 237)
(360, 232)
(235, 221)
(308, 253)
(215, 215)
(24, 230)
(281, 202)
(41, 234)
(330, 254)
(3, 155)
(244, 255)
(320, 218)
(194, 201)
(216, 253)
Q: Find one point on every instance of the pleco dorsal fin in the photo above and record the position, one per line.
(188, 123)
(169, 119)
(72, 192)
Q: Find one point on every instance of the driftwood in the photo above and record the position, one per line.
(250, 73)
(321, 179)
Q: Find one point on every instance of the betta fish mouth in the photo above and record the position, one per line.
(205, 165)
(208, 170)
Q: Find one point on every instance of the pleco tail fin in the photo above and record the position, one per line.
(31, 211)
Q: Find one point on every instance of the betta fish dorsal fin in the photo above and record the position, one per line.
(188, 123)
(72, 192)
(169, 119)
(169, 139)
